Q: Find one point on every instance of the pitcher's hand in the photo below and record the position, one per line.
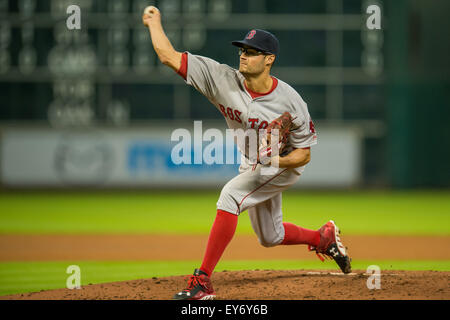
(151, 14)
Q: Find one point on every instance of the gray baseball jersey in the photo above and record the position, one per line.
(261, 194)
(224, 87)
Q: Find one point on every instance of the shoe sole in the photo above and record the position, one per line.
(208, 297)
(343, 260)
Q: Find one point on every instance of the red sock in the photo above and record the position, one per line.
(220, 236)
(296, 235)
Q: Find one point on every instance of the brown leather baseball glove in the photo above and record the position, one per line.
(284, 125)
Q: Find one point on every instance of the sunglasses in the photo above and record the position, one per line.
(251, 53)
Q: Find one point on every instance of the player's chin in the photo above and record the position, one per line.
(243, 69)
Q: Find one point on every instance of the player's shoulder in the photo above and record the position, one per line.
(288, 90)
(290, 94)
(219, 69)
(210, 61)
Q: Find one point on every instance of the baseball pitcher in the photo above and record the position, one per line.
(250, 98)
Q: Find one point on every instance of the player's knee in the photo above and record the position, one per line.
(269, 241)
(227, 201)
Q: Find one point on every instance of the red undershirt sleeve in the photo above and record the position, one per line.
(184, 65)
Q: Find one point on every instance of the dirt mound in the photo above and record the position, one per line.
(269, 285)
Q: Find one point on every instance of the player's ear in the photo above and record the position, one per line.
(270, 59)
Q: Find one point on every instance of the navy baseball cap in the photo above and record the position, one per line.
(260, 40)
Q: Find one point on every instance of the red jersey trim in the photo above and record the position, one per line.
(184, 65)
(257, 94)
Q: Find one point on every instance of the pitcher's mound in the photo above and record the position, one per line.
(270, 285)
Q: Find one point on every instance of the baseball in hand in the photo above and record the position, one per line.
(151, 13)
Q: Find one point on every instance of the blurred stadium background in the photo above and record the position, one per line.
(94, 108)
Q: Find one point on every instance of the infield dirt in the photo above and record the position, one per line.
(269, 285)
(237, 285)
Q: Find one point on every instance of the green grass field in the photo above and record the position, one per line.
(374, 212)
(394, 213)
